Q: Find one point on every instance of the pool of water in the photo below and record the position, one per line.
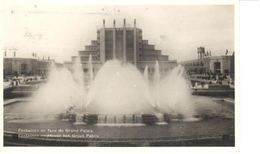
(210, 124)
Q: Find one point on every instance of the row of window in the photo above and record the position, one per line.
(91, 48)
(195, 64)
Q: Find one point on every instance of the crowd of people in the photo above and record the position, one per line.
(22, 80)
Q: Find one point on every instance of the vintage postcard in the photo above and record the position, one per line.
(119, 75)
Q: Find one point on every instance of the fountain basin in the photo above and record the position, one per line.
(211, 130)
(178, 133)
(115, 120)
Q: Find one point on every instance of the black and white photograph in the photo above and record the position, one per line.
(119, 75)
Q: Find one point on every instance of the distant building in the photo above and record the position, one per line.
(25, 66)
(207, 64)
(125, 44)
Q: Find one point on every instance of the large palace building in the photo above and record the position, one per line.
(125, 44)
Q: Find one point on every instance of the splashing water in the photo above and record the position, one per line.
(90, 70)
(146, 77)
(59, 93)
(78, 73)
(116, 89)
(119, 89)
(156, 82)
(174, 94)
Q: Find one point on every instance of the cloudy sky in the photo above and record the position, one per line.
(61, 31)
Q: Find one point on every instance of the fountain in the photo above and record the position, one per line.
(90, 70)
(79, 79)
(120, 89)
(146, 76)
(156, 84)
(119, 95)
(56, 95)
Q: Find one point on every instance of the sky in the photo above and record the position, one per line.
(61, 31)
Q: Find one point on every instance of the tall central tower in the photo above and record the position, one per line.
(124, 43)
(119, 42)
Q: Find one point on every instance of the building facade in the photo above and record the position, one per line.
(125, 44)
(25, 66)
(207, 64)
